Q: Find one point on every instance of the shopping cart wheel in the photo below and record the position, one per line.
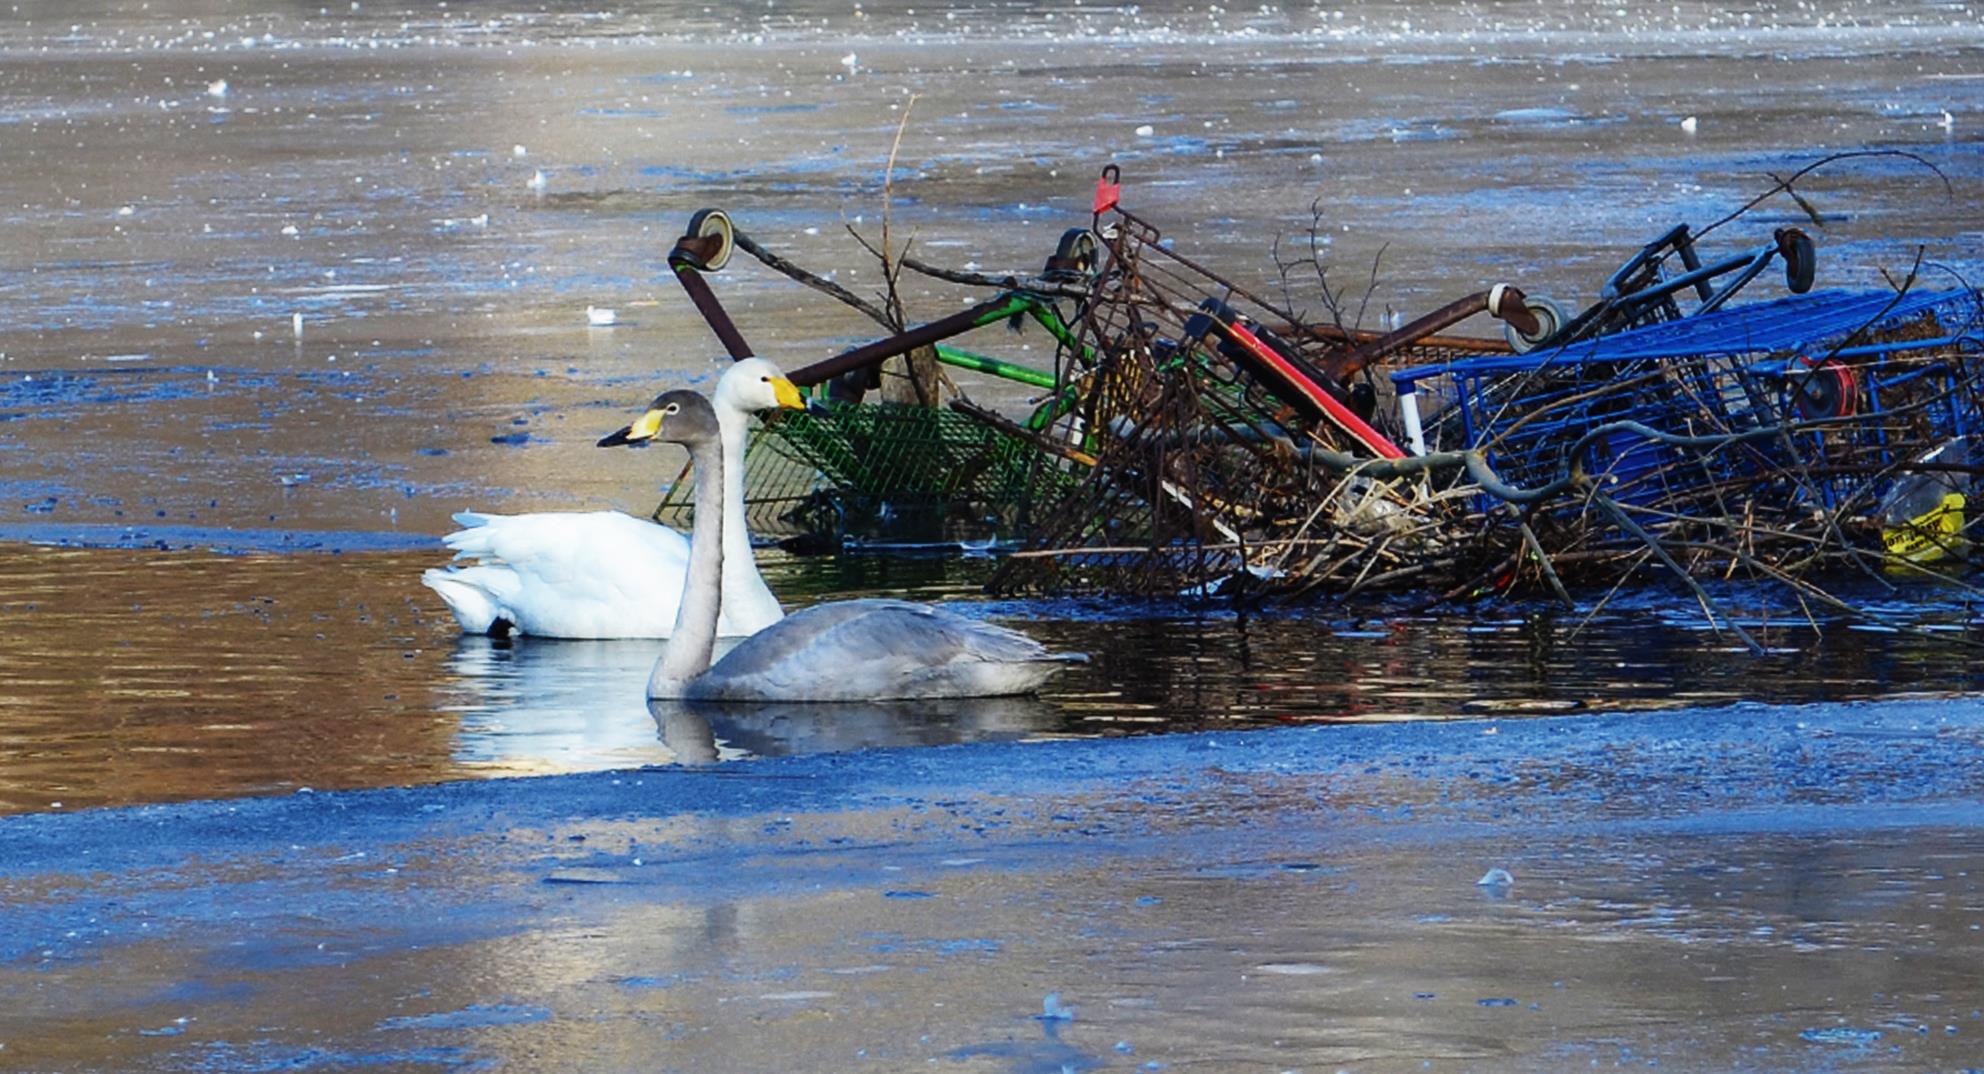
(1074, 256)
(713, 222)
(1549, 321)
(1827, 389)
(1800, 259)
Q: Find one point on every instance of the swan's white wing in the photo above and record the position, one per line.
(599, 574)
(878, 649)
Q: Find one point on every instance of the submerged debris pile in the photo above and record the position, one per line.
(1198, 438)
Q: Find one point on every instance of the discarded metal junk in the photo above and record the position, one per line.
(1197, 438)
(918, 465)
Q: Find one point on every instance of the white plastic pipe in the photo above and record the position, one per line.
(1408, 414)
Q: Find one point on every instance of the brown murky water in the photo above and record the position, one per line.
(132, 675)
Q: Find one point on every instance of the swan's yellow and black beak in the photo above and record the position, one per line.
(644, 429)
(787, 394)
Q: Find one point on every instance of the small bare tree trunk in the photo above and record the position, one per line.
(911, 378)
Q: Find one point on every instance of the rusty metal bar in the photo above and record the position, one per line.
(1329, 333)
(690, 257)
(1504, 302)
(883, 349)
(710, 308)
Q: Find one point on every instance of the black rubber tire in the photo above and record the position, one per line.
(1074, 257)
(1077, 247)
(1801, 259)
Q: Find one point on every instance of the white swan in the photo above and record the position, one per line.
(851, 650)
(604, 574)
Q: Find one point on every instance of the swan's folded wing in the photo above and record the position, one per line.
(573, 574)
(867, 649)
(555, 536)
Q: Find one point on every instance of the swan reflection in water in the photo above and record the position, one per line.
(541, 706)
(701, 730)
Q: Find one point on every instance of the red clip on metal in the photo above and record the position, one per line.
(1108, 189)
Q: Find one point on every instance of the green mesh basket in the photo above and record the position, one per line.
(888, 472)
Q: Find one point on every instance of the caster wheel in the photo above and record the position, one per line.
(1074, 257)
(1549, 321)
(1800, 259)
(708, 223)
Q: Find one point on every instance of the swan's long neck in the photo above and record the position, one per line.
(693, 643)
(735, 425)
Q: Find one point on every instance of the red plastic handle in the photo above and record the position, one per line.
(1108, 189)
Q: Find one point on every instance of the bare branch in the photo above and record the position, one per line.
(818, 283)
(1038, 285)
(1784, 185)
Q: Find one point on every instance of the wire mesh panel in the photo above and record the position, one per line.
(883, 471)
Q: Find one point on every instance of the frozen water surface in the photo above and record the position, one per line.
(285, 285)
(1747, 887)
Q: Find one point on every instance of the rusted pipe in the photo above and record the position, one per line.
(709, 307)
(883, 349)
(697, 252)
(1501, 301)
(1344, 337)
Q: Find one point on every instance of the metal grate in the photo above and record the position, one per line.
(884, 471)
